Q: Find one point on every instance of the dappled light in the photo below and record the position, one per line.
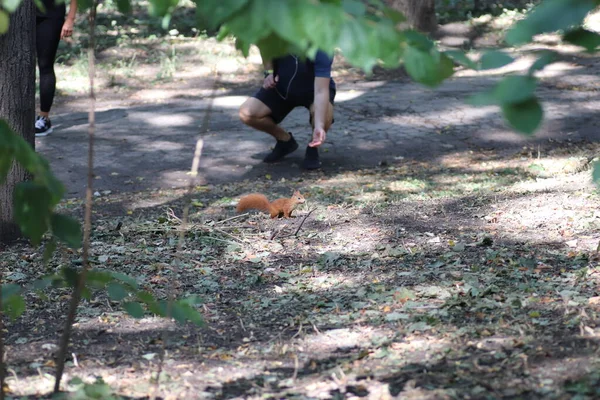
(438, 253)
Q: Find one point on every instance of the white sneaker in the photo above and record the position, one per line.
(43, 126)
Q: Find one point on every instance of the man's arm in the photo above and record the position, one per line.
(321, 102)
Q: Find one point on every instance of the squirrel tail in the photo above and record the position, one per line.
(255, 201)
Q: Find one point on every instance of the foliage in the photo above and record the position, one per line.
(89, 391)
(126, 291)
(34, 201)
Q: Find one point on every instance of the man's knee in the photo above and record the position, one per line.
(245, 114)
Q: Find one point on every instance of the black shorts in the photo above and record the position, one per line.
(281, 107)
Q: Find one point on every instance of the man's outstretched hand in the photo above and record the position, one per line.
(270, 81)
(319, 136)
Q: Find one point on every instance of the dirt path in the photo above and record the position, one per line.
(146, 136)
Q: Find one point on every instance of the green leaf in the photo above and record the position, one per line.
(429, 68)
(215, 13)
(287, 23)
(14, 306)
(124, 6)
(32, 205)
(83, 5)
(71, 276)
(272, 46)
(44, 282)
(550, 16)
(131, 281)
(99, 278)
(512, 89)
(525, 116)
(354, 7)
(584, 38)
(145, 297)
(182, 312)
(4, 21)
(394, 15)
(191, 300)
(67, 229)
(49, 250)
(116, 291)
(134, 309)
(86, 293)
(461, 58)
(97, 390)
(546, 57)
(10, 5)
(10, 289)
(495, 59)
(596, 173)
(418, 40)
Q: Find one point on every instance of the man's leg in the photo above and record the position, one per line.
(263, 112)
(311, 158)
(257, 114)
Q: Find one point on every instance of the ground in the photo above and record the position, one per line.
(442, 256)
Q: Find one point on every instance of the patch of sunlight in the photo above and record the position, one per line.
(73, 85)
(368, 197)
(150, 202)
(347, 95)
(229, 101)
(164, 120)
(407, 185)
(522, 64)
(160, 145)
(33, 385)
(228, 65)
(552, 185)
(154, 94)
(336, 339)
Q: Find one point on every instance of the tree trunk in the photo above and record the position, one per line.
(419, 13)
(17, 99)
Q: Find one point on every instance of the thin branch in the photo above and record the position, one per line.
(184, 222)
(302, 223)
(2, 365)
(76, 296)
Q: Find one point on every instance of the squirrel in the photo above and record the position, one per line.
(278, 208)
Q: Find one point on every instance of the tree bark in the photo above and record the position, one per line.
(419, 13)
(17, 100)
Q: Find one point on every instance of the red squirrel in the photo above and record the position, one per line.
(278, 208)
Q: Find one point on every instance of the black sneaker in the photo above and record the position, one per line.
(43, 126)
(281, 150)
(311, 158)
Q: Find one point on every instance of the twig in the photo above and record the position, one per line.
(296, 367)
(76, 296)
(184, 221)
(2, 365)
(275, 233)
(302, 223)
(229, 219)
(315, 328)
(299, 331)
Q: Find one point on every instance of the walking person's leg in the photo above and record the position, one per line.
(47, 38)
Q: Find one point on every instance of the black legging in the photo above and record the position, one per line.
(47, 39)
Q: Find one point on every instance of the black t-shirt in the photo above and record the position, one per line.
(297, 76)
(53, 10)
